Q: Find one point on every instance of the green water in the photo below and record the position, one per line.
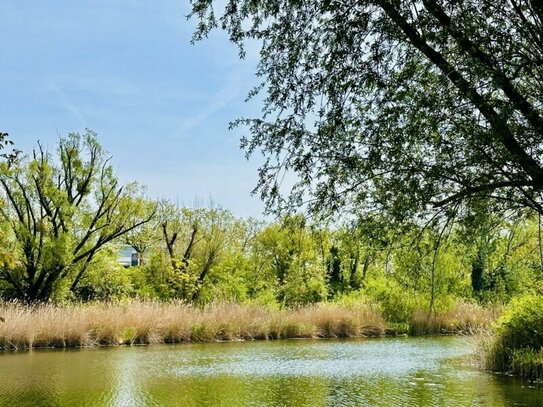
(376, 372)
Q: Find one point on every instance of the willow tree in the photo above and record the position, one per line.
(394, 105)
(60, 213)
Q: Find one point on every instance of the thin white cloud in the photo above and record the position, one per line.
(67, 104)
(227, 93)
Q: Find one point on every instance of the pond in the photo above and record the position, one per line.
(371, 372)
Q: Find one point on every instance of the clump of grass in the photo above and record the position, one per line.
(465, 318)
(527, 364)
(343, 321)
(517, 344)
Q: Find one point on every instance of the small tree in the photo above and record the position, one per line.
(60, 214)
(295, 260)
(195, 240)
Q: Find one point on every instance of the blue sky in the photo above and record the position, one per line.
(126, 69)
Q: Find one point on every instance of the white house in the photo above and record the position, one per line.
(128, 257)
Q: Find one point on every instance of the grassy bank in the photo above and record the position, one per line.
(145, 322)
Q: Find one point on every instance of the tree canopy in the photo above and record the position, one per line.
(392, 105)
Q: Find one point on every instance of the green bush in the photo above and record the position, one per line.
(518, 338)
(104, 280)
(397, 304)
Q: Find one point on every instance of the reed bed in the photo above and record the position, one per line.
(464, 318)
(147, 322)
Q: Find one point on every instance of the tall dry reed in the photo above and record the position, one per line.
(144, 322)
(466, 318)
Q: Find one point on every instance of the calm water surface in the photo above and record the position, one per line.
(376, 372)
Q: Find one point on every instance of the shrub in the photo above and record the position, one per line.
(518, 338)
(397, 304)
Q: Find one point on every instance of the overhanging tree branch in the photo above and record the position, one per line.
(469, 191)
(501, 131)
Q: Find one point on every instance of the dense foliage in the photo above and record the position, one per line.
(64, 222)
(290, 262)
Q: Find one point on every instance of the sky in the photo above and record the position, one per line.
(126, 70)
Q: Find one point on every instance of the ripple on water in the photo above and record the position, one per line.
(387, 372)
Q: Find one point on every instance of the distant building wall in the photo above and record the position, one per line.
(128, 257)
